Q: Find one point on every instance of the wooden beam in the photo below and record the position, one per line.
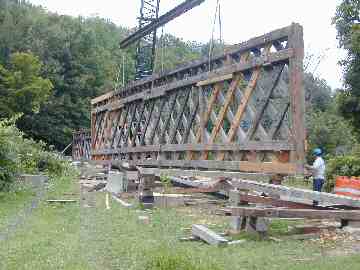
(244, 166)
(197, 174)
(254, 145)
(296, 194)
(297, 95)
(276, 202)
(295, 213)
(215, 80)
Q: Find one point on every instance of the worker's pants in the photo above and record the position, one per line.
(317, 186)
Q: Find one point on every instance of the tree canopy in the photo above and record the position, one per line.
(22, 89)
(347, 21)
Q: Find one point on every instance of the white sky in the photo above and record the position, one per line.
(241, 20)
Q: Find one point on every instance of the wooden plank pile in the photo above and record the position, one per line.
(252, 212)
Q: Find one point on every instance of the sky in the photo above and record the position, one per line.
(241, 20)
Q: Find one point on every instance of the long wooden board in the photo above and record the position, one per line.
(297, 194)
(295, 213)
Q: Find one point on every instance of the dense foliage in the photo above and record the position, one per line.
(81, 58)
(20, 155)
(347, 21)
(22, 89)
(341, 165)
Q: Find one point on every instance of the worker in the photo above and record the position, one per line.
(317, 171)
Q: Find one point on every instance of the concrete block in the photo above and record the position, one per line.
(208, 235)
(117, 182)
(237, 224)
(34, 181)
(257, 225)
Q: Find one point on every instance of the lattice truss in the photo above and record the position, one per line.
(240, 111)
(81, 148)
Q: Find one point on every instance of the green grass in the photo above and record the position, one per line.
(70, 237)
(13, 202)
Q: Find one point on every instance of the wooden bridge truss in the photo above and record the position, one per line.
(81, 147)
(240, 111)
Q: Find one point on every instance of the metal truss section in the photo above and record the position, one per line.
(145, 50)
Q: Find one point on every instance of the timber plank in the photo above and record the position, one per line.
(295, 213)
(297, 194)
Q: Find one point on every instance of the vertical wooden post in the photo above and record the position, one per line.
(93, 130)
(237, 223)
(202, 110)
(297, 97)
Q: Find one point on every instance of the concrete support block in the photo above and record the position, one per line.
(257, 225)
(35, 181)
(117, 182)
(237, 224)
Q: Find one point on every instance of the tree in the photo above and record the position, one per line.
(347, 21)
(317, 93)
(22, 89)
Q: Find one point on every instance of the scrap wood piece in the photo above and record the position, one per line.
(61, 201)
(298, 213)
(207, 235)
(297, 193)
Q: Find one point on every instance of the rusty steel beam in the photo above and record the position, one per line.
(162, 20)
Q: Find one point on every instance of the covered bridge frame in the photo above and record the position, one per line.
(240, 111)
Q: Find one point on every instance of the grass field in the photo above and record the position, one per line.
(73, 237)
(13, 202)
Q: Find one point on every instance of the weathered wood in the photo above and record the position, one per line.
(276, 202)
(215, 80)
(61, 201)
(260, 111)
(254, 145)
(278, 35)
(129, 127)
(241, 109)
(122, 125)
(157, 121)
(220, 122)
(295, 213)
(294, 194)
(143, 135)
(229, 96)
(208, 235)
(297, 99)
(214, 174)
(179, 116)
(273, 58)
(246, 166)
